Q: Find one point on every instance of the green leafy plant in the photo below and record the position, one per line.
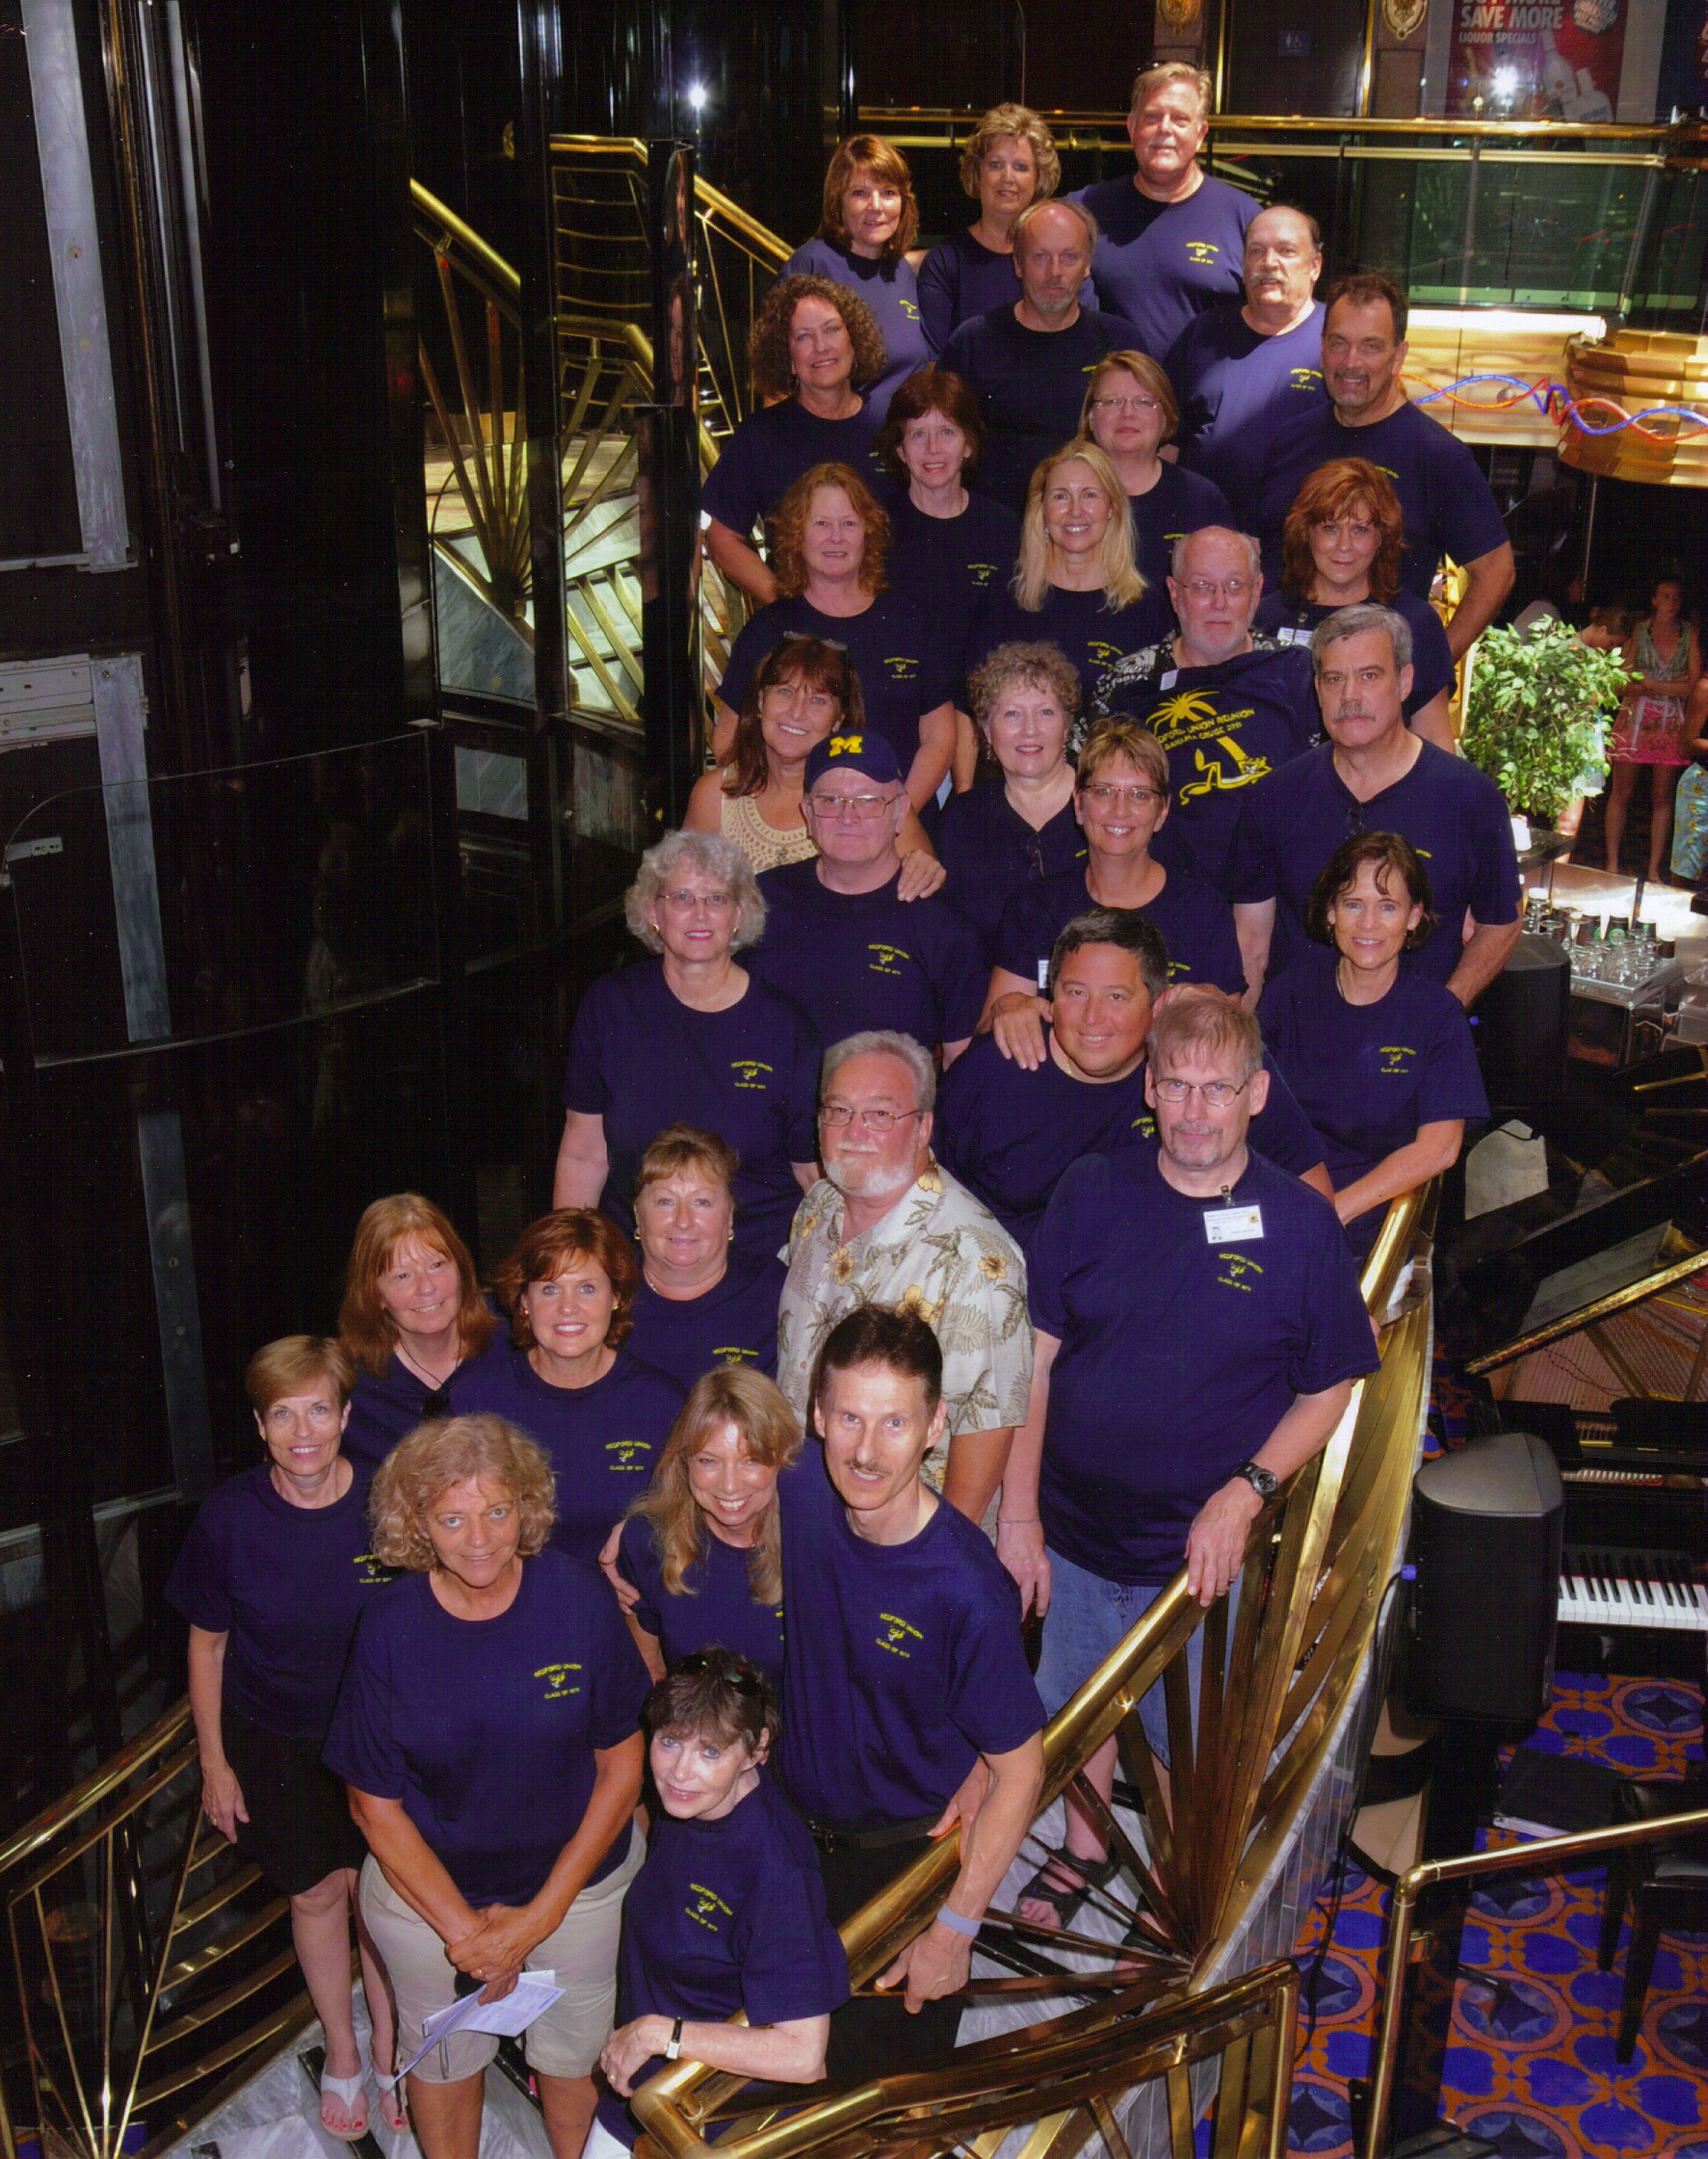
(1536, 720)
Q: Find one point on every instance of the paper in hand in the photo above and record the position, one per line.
(533, 1992)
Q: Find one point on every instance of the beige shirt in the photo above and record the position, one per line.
(939, 1251)
(765, 847)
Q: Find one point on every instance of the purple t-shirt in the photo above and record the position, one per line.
(1228, 729)
(1369, 1075)
(1447, 504)
(1030, 385)
(1160, 264)
(869, 959)
(905, 1662)
(484, 1730)
(285, 1585)
(733, 1322)
(726, 1915)
(903, 668)
(641, 1059)
(1236, 389)
(1089, 635)
(1431, 656)
(891, 292)
(959, 279)
(948, 567)
(386, 1406)
(714, 1607)
(1178, 1356)
(991, 852)
(603, 1440)
(1451, 812)
(1181, 502)
(1193, 920)
(769, 450)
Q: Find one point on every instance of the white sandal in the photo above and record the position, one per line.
(347, 2091)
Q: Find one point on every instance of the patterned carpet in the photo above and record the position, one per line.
(1530, 2062)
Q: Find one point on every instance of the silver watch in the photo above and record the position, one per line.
(1263, 1481)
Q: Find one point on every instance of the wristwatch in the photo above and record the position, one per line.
(673, 2051)
(1263, 1481)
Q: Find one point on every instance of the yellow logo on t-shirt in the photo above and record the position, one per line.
(1236, 1266)
(629, 1454)
(1202, 252)
(706, 1903)
(1304, 378)
(1191, 713)
(747, 1071)
(559, 1682)
(374, 1569)
(910, 310)
(884, 958)
(1393, 1056)
(980, 574)
(903, 666)
(734, 1353)
(897, 1635)
(1100, 648)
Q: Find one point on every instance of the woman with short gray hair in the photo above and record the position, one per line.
(689, 1037)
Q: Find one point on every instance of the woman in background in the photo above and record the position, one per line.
(870, 221)
(1008, 161)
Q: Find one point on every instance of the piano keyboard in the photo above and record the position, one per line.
(1602, 1586)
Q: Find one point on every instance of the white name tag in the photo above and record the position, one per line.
(1232, 1225)
(1043, 977)
(1170, 679)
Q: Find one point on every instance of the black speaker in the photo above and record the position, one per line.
(1521, 1026)
(1486, 1527)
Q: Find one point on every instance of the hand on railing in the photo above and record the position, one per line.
(1020, 1547)
(222, 1799)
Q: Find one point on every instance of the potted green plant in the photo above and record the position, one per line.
(1535, 718)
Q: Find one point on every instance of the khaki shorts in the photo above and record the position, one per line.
(566, 2039)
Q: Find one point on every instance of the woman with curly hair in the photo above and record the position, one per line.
(701, 1547)
(870, 221)
(486, 1731)
(830, 555)
(567, 1380)
(690, 1036)
(1340, 546)
(1379, 1057)
(809, 341)
(412, 1317)
(1076, 585)
(1008, 161)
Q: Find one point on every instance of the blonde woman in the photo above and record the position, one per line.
(1007, 162)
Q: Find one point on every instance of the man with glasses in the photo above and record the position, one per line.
(839, 940)
(885, 1225)
(1026, 362)
(1374, 774)
(1230, 704)
(1242, 370)
(1197, 1330)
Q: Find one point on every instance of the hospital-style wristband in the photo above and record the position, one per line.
(957, 1923)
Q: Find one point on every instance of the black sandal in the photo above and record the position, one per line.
(1068, 1899)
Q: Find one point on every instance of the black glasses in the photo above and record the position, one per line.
(717, 1665)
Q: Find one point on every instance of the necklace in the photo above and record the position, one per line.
(434, 1379)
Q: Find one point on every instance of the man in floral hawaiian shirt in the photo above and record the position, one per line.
(885, 1225)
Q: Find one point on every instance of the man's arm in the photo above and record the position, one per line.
(931, 760)
(1488, 578)
(1485, 953)
(1215, 1544)
(583, 1161)
(976, 1461)
(939, 1962)
(1254, 925)
(1019, 1532)
(739, 563)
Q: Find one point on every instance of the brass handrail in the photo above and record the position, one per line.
(507, 280)
(883, 119)
(1547, 1855)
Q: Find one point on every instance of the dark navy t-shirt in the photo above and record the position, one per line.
(726, 1915)
(903, 668)
(991, 852)
(641, 1059)
(386, 1406)
(603, 1440)
(947, 567)
(891, 292)
(1445, 502)
(1431, 656)
(714, 1607)
(769, 452)
(734, 1322)
(1193, 920)
(1180, 502)
(1178, 1356)
(1451, 812)
(1236, 389)
(1089, 635)
(484, 1730)
(1369, 1075)
(285, 1585)
(959, 279)
(905, 1662)
(1159, 264)
(1030, 385)
(869, 959)
(1228, 729)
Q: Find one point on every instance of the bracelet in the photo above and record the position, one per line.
(1019, 1521)
(675, 2048)
(957, 1922)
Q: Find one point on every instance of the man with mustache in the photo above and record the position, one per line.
(1374, 774)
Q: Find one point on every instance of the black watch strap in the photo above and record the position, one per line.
(1263, 1481)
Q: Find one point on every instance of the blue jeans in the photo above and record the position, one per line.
(1087, 1617)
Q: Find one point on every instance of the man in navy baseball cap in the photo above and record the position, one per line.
(866, 752)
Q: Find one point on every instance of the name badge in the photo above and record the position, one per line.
(1232, 1225)
(1170, 679)
(1043, 973)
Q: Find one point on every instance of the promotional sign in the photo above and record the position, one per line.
(1536, 59)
